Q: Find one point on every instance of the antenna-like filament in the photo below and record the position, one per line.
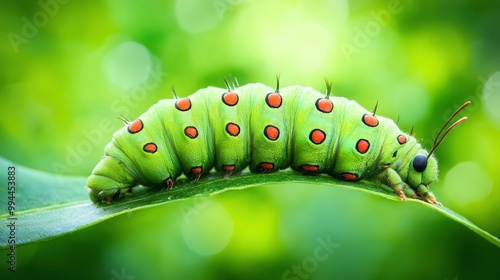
(438, 139)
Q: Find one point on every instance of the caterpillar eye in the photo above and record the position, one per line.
(420, 163)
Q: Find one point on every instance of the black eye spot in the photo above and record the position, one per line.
(395, 153)
(420, 163)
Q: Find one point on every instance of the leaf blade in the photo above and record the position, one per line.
(62, 206)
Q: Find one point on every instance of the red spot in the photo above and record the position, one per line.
(183, 104)
(310, 168)
(273, 100)
(402, 139)
(362, 146)
(324, 105)
(191, 132)
(135, 126)
(267, 166)
(230, 98)
(229, 168)
(196, 170)
(349, 176)
(271, 132)
(370, 120)
(317, 136)
(150, 148)
(232, 129)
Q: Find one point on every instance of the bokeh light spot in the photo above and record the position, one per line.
(197, 16)
(208, 229)
(467, 182)
(491, 98)
(128, 64)
(311, 41)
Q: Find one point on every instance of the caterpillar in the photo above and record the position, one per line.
(266, 130)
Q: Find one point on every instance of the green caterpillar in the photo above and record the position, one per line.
(267, 130)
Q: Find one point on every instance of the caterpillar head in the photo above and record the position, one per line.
(422, 171)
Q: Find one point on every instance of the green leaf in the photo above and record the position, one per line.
(48, 205)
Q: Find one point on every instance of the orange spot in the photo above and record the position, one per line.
(228, 168)
(402, 139)
(135, 126)
(317, 136)
(362, 146)
(310, 168)
(230, 98)
(233, 129)
(266, 165)
(183, 104)
(196, 170)
(271, 132)
(369, 120)
(191, 132)
(324, 105)
(349, 176)
(150, 148)
(273, 100)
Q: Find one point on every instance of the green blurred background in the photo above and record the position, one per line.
(71, 68)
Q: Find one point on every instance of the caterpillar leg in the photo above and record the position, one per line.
(427, 195)
(401, 188)
(228, 174)
(169, 182)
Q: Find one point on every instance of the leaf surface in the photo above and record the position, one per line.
(48, 205)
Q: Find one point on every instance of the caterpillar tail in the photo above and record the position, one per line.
(109, 178)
